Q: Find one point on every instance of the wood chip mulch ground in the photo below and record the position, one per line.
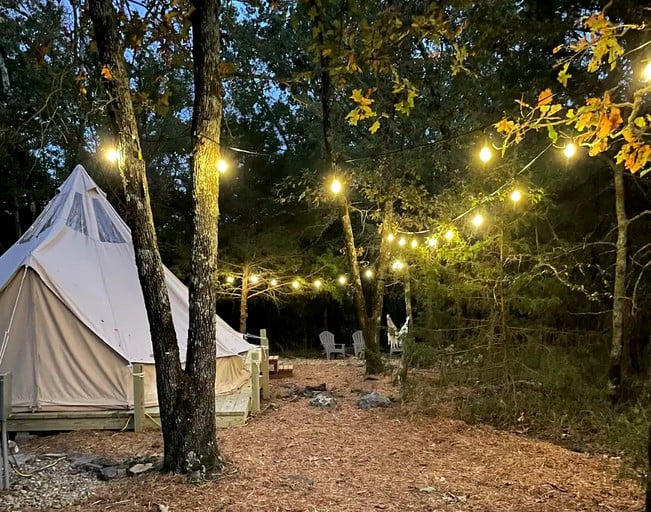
(296, 457)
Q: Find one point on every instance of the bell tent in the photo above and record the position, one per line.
(73, 316)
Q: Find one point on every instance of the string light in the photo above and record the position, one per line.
(570, 150)
(516, 195)
(477, 220)
(397, 265)
(112, 155)
(432, 242)
(390, 237)
(402, 242)
(317, 283)
(341, 280)
(222, 166)
(646, 72)
(485, 154)
(230, 279)
(335, 186)
(254, 279)
(368, 274)
(449, 234)
(414, 243)
(296, 285)
(274, 282)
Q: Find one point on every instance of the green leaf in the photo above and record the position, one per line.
(552, 133)
(640, 122)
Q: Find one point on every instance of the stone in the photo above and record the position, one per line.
(111, 473)
(323, 400)
(140, 468)
(372, 400)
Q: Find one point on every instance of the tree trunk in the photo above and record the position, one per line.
(186, 398)
(199, 436)
(620, 300)
(244, 298)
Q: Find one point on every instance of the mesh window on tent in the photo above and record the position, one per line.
(76, 218)
(105, 227)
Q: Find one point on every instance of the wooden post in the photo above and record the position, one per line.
(264, 343)
(138, 398)
(255, 382)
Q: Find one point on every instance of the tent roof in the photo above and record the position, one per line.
(83, 252)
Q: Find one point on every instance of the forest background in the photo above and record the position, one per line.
(514, 314)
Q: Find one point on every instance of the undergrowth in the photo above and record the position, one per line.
(557, 393)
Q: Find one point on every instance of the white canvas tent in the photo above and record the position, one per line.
(72, 314)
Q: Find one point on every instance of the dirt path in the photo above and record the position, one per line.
(295, 457)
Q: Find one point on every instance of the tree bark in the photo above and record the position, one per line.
(244, 298)
(620, 300)
(186, 398)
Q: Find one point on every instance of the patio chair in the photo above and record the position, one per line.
(396, 337)
(329, 346)
(358, 344)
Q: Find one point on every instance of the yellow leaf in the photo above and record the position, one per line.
(640, 122)
(374, 127)
(545, 97)
(106, 73)
(557, 49)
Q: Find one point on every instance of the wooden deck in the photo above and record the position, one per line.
(231, 410)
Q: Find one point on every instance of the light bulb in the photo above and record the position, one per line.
(296, 285)
(230, 279)
(570, 150)
(432, 242)
(477, 220)
(368, 274)
(646, 72)
(335, 186)
(222, 166)
(317, 283)
(390, 237)
(449, 234)
(112, 155)
(414, 243)
(254, 279)
(485, 154)
(341, 280)
(274, 282)
(516, 195)
(402, 242)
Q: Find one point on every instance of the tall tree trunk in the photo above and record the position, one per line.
(198, 407)
(620, 300)
(186, 398)
(244, 299)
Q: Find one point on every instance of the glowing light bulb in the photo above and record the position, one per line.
(402, 242)
(432, 242)
(254, 279)
(274, 282)
(570, 150)
(414, 243)
(341, 280)
(335, 186)
(477, 220)
(368, 274)
(646, 72)
(230, 279)
(222, 166)
(112, 155)
(296, 285)
(449, 234)
(397, 265)
(317, 283)
(390, 237)
(485, 154)
(516, 195)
